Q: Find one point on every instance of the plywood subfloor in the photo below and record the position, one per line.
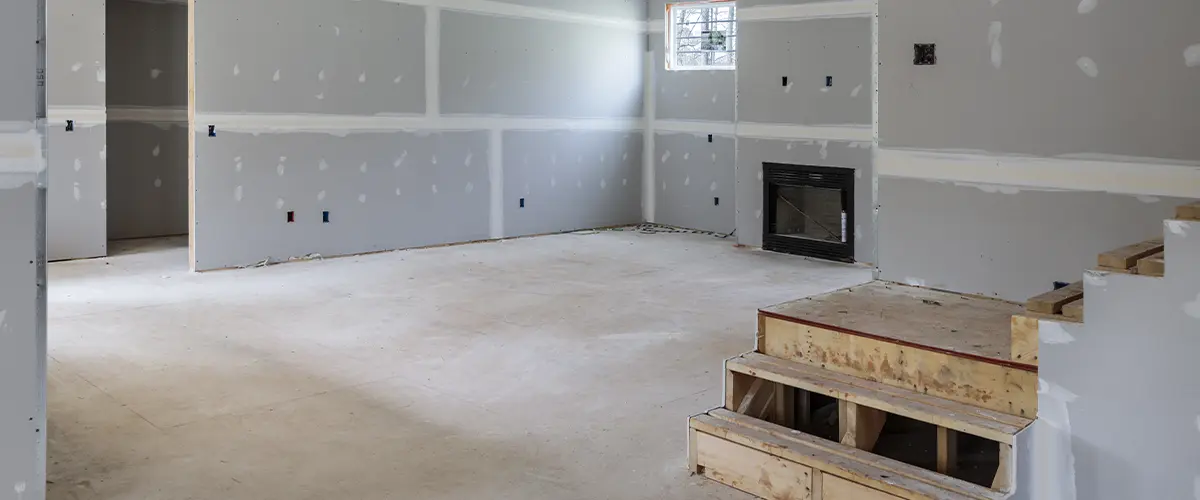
(946, 321)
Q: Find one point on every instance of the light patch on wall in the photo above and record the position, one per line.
(625, 156)
(77, 194)
(433, 188)
(714, 157)
(470, 155)
(1088, 66)
(760, 175)
(100, 75)
(337, 31)
(397, 191)
(994, 40)
(155, 73)
(824, 149)
(321, 196)
(714, 98)
(854, 93)
(321, 96)
(664, 186)
(666, 156)
(157, 150)
(362, 77)
(279, 204)
(1193, 308)
(687, 156)
(911, 281)
(603, 183)
(1086, 6)
(362, 198)
(1149, 199)
(103, 204)
(1178, 227)
(322, 166)
(791, 145)
(553, 159)
(280, 169)
(787, 89)
(687, 181)
(1095, 278)
(363, 168)
(237, 193)
(158, 182)
(469, 188)
(433, 159)
(758, 213)
(276, 76)
(991, 188)
(1052, 332)
(400, 160)
(713, 186)
(466, 81)
(76, 67)
(321, 76)
(398, 79)
(237, 70)
(1191, 56)
(78, 164)
(625, 182)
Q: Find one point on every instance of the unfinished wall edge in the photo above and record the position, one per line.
(1149, 177)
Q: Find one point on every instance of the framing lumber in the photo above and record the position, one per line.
(758, 399)
(1191, 211)
(859, 426)
(751, 470)
(836, 488)
(1127, 256)
(1153, 265)
(1025, 339)
(947, 450)
(1074, 310)
(1052, 302)
(988, 424)
(874, 471)
(1000, 385)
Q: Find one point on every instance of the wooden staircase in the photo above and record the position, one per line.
(880, 391)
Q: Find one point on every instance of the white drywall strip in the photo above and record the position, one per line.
(496, 180)
(695, 127)
(502, 9)
(649, 111)
(855, 133)
(1149, 177)
(815, 10)
(433, 50)
(20, 154)
(148, 114)
(343, 124)
(83, 116)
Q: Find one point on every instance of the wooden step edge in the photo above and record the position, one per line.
(962, 417)
(862, 467)
(1190, 211)
(1074, 311)
(1153, 265)
(1052, 302)
(1126, 257)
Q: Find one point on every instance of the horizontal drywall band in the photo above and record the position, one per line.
(1126, 176)
(81, 116)
(814, 10)
(342, 124)
(502, 9)
(148, 114)
(853, 133)
(695, 127)
(20, 154)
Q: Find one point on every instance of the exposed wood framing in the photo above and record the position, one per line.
(784, 412)
(947, 450)
(758, 399)
(693, 460)
(1127, 256)
(1074, 310)
(1053, 301)
(859, 426)
(1191, 211)
(988, 385)
(751, 470)
(1153, 265)
(835, 488)
(1025, 339)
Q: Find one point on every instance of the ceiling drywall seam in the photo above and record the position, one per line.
(501, 9)
(1150, 177)
(649, 113)
(496, 181)
(813, 10)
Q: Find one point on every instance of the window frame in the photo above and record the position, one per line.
(670, 34)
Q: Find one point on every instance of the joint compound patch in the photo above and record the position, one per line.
(994, 40)
(1193, 308)
(1088, 66)
(1178, 227)
(911, 281)
(1052, 332)
(1086, 6)
(1095, 278)
(1191, 56)
(1149, 199)
(854, 93)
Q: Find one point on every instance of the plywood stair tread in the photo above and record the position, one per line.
(981, 422)
(1153, 265)
(1052, 302)
(1125, 259)
(857, 466)
(1191, 211)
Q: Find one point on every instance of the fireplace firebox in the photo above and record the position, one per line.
(809, 210)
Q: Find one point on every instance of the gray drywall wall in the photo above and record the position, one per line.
(22, 264)
(1039, 101)
(621, 9)
(147, 152)
(1000, 241)
(147, 179)
(690, 94)
(694, 181)
(76, 77)
(542, 68)
(752, 153)
(570, 180)
(1137, 342)
(423, 182)
(806, 52)
(76, 199)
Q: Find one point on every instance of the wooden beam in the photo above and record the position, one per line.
(784, 412)
(1025, 339)
(1052, 302)
(804, 409)
(858, 425)
(818, 485)
(751, 470)
(1153, 265)
(693, 462)
(1003, 481)
(1127, 256)
(758, 399)
(1191, 211)
(1074, 310)
(947, 451)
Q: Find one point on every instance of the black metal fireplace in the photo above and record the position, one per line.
(809, 210)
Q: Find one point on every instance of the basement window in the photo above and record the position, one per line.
(701, 35)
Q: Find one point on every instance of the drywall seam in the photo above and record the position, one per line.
(496, 180)
(433, 48)
(814, 10)
(342, 124)
(501, 9)
(83, 116)
(20, 153)
(649, 112)
(1122, 177)
(858, 133)
(695, 127)
(148, 114)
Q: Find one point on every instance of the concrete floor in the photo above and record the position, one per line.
(552, 367)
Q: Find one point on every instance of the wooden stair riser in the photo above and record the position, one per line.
(1008, 388)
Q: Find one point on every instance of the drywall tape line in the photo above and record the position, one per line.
(853, 133)
(83, 116)
(341, 124)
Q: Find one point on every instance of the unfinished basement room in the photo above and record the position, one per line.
(599, 249)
